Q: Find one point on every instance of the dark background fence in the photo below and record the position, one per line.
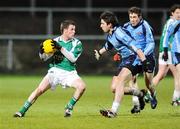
(25, 24)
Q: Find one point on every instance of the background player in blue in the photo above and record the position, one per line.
(165, 66)
(141, 31)
(123, 43)
(174, 30)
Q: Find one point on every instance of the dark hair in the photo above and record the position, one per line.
(109, 17)
(135, 10)
(65, 24)
(174, 7)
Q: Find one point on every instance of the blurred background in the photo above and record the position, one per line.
(24, 24)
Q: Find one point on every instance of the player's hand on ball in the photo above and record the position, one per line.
(56, 45)
(97, 54)
(41, 50)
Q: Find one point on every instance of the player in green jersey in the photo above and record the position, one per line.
(62, 69)
(166, 65)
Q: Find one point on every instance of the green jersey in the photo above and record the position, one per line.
(73, 46)
(163, 34)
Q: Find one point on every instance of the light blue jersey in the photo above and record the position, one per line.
(121, 41)
(142, 33)
(173, 30)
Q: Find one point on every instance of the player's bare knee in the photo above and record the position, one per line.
(113, 89)
(81, 87)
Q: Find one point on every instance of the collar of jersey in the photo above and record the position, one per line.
(60, 39)
(114, 29)
(140, 23)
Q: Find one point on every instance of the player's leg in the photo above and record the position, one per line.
(43, 86)
(125, 72)
(177, 101)
(113, 83)
(163, 68)
(80, 87)
(131, 88)
(123, 76)
(148, 76)
(148, 81)
(137, 95)
(149, 85)
(176, 86)
(176, 62)
(162, 71)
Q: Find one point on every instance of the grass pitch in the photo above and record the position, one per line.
(48, 111)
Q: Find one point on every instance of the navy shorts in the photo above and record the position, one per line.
(151, 59)
(129, 63)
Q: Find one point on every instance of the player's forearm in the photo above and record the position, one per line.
(44, 56)
(102, 50)
(141, 55)
(68, 55)
(98, 53)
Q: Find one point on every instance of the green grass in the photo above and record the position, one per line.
(48, 111)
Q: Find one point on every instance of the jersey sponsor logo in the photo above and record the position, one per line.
(139, 33)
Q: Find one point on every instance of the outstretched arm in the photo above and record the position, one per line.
(69, 55)
(98, 53)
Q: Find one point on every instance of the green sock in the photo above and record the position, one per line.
(71, 103)
(26, 106)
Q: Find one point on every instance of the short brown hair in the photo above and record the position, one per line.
(174, 7)
(65, 24)
(109, 17)
(135, 10)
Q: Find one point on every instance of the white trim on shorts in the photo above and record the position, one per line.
(57, 76)
(161, 61)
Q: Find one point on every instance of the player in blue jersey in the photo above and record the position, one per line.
(165, 66)
(141, 31)
(122, 42)
(174, 30)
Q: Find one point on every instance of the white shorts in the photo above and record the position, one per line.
(62, 77)
(169, 61)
